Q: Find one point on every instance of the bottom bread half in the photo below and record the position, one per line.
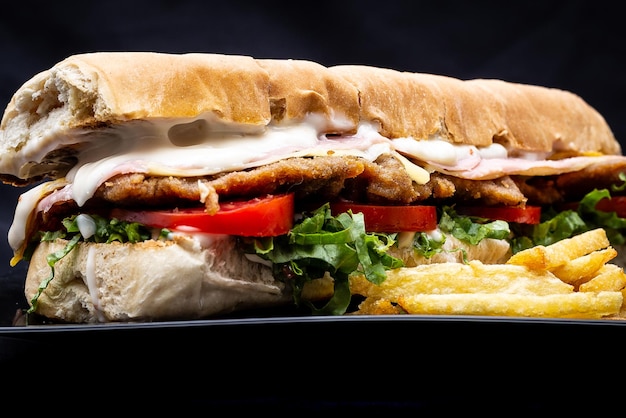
(150, 280)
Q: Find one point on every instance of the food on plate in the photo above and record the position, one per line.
(179, 186)
(561, 253)
(527, 285)
(574, 305)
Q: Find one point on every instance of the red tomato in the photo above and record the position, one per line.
(615, 204)
(526, 215)
(380, 218)
(259, 217)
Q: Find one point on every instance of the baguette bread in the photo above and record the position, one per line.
(478, 112)
(47, 118)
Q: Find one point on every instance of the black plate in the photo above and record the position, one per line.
(375, 360)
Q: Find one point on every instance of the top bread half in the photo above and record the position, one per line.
(47, 118)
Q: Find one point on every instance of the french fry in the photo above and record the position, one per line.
(571, 305)
(474, 277)
(583, 268)
(373, 306)
(622, 312)
(561, 252)
(610, 277)
(568, 279)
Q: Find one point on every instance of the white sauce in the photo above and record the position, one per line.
(86, 225)
(204, 146)
(436, 235)
(436, 150)
(26, 206)
(405, 239)
(90, 281)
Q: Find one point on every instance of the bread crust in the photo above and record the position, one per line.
(143, 85)
(47, 114)
(126, 282)
(300, 88)
(549, 119)
(478, 112)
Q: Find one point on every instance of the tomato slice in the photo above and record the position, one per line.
(379, 218)
(525, 215)
(615, 204)
(259, 217)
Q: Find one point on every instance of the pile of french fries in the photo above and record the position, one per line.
(571, 278)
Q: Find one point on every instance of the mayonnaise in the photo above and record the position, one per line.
(203, 146)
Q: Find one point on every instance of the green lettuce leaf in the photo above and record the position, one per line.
(471, 229)
(106, 231)
(613, 224)
(557, 225)
(323, 243)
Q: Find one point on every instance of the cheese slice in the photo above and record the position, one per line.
(198, 147)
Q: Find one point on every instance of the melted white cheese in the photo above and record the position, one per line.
(203, 147)
(161, 149)
(27, 206)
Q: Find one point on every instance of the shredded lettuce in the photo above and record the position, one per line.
(612, 224)
(339, 245)
(109, 230)
(427, 245)
(554, 227)
(106, 231)
(471, 229)
(557, 225)
(323, 243)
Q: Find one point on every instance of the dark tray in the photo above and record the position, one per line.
(278, 359)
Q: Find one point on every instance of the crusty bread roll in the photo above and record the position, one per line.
(48, 115)
(93, 90)
(478, 112)
(299, 88)
(122, 282)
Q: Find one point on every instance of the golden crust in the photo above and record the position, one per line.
(400, 105)
(540, 118)
(141, 85)
(89, 90)
(300, 88)
(478, 112)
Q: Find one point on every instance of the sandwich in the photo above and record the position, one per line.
(182, 186)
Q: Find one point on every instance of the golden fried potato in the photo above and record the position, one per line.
(571, 305)
(622, 311)
(373, 306)
(568, 279)
(474, 277)
(610, 277)
(583, 268)
(561, 252)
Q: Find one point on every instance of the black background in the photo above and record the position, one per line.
(575, 45)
